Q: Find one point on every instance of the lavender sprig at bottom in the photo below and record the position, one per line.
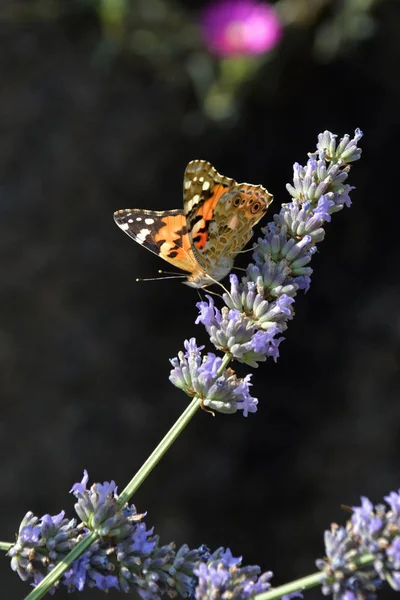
(360, 556)
(127, 556)
(372, 532)
(258, 307)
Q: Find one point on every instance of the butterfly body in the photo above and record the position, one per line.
(215, 224)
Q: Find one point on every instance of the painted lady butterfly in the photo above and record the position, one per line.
(214, 226)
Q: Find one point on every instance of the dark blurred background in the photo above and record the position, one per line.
(102, 105)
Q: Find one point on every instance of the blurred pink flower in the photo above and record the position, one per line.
(240, 27)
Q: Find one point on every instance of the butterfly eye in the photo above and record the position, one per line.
(255, 208)
(237, 201)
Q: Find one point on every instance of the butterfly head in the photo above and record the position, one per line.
(201, 279)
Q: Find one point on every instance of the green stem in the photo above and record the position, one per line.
(294, 586)
(309, 581)
(5, 546)
(159, 452)
(225, 362)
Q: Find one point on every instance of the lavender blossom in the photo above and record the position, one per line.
(199, 377)
(99, 510)
(234, 332)
(223, 577)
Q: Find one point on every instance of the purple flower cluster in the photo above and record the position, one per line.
(199, 377)
(223, 577)
(126, 556)
(232, 331)
(364, 553)
(257, 308)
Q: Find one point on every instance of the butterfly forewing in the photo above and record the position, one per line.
(161, 232)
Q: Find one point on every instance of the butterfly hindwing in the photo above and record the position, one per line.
(162, 232)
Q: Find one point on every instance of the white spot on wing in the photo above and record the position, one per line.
(138, 218)
(124, 226)
(206, 185)
(142, 235)
(130, 220)
(193, 202)
(149, 221)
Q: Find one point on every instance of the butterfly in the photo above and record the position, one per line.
(205, 236)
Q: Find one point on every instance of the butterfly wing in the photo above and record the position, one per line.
(220, 215)
(202, 188)
(162, 232)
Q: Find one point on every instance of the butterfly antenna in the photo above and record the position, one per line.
(140, 280)
(220, 285)
(161, 272)
(214, 293)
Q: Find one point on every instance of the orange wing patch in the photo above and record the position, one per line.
(162, 232)
(203, 216)
(174, 244)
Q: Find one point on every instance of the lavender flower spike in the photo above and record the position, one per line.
(259, 306)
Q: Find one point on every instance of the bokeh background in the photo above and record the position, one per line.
(102, 105)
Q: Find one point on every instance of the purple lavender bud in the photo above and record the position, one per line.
(272, 279)
(393, 499)
(346, 149)
(364, 519)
